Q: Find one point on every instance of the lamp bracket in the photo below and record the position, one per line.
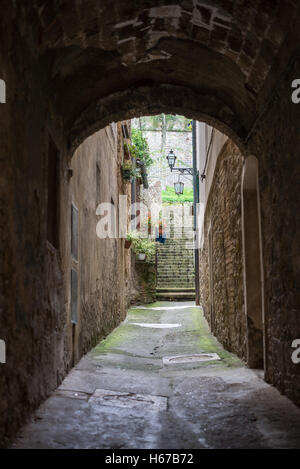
(190, 171)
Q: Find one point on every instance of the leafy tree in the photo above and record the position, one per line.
(168, 122)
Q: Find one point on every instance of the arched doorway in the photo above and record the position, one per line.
(253, 269)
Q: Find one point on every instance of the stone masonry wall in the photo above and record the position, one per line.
(101, 262)
(143, 281)
(32, 319)
(223, 222)
(34, 277)
(275, 143)
(181, 143)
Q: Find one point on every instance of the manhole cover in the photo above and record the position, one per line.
(104, 397)
(200, 357)
(155, 326)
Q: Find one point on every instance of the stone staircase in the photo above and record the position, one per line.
(175, 270)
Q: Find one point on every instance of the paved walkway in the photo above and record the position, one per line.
(124, 395)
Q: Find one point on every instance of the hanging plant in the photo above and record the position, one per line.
(129, 239)
(127, 155)
(126, 170)
(128, 243)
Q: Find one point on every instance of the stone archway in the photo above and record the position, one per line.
(71, 68)
(253, 266)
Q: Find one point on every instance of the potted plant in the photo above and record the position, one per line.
(128, 241)
(144, 248)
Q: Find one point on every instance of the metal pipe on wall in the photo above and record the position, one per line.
(195, 205)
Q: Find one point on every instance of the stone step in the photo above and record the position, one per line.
(176, 264)
(171, 249)
(181, 267)
(175, 290)
(167, 287)
(175, 260)
(174, 283)
(172, 271)
(162, 282)
(177, 273)
(179, 278)
(175, 296)
(176, 268)
(173, 257)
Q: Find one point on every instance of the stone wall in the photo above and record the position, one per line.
(221, 264)
(35, 277)
(143, 281)
(178, 141)
(275, 142)
(32, 319)
(102, 263)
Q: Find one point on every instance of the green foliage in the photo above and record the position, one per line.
(129, 170)
(169, 196)
(173, 122)
(143, 246)
(132, 235)
(127, 165)
(139, 148)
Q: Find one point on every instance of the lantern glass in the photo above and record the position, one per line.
(179, 187)
(171, 159)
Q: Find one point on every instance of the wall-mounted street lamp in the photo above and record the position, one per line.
(171, 161)
(179, 187)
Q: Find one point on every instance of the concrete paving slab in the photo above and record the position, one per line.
(106, 397)
(214, 404)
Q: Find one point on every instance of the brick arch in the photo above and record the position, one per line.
(214, 61)
(151, 100)
(93, 88)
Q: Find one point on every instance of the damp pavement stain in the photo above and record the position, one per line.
(127, 393)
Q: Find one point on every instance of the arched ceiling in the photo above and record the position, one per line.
(111, 60)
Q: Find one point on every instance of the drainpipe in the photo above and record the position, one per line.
(195, 205)
(144, 175)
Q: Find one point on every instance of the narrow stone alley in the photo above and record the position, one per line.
(131, 392)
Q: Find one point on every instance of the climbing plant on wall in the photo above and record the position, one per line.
(141, 146)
